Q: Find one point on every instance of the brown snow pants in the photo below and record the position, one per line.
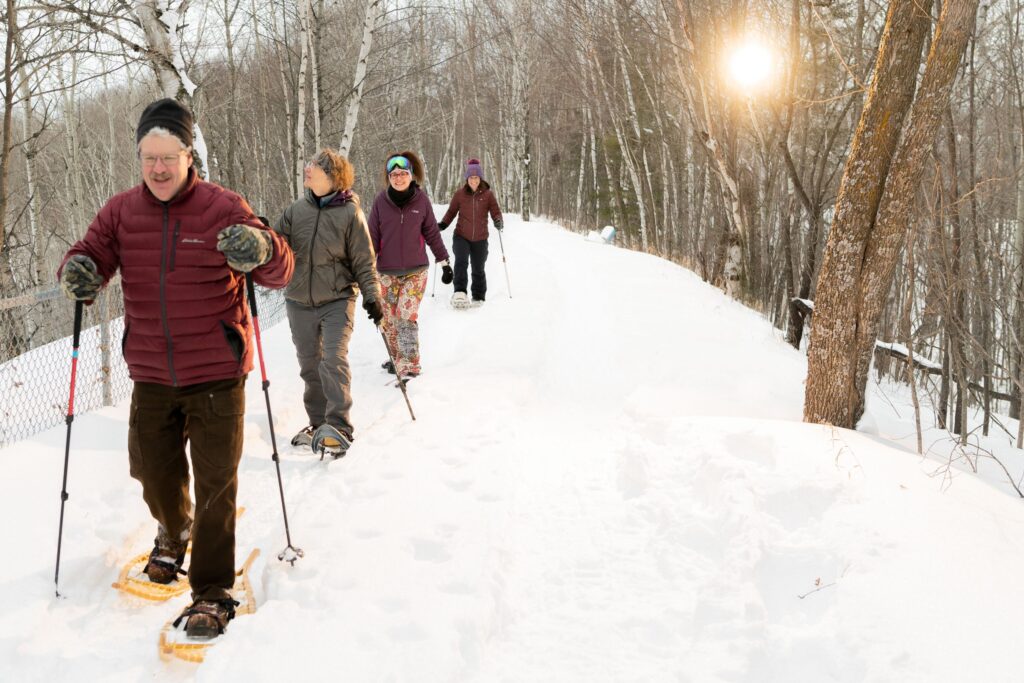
(209, 418)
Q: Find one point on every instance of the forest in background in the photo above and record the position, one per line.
(591, 112)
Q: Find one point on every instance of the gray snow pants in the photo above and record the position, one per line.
(321, 335)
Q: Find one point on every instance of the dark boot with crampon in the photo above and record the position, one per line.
(168, 555)
(207, 619)
(328, 440)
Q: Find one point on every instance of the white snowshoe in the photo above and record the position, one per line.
(460, 301)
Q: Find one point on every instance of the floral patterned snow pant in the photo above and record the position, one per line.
(402, 297)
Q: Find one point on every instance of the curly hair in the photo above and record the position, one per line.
(414, 159)
(338, 169)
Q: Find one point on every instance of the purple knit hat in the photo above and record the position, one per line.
(473, 168)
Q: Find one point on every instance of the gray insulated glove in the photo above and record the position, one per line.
(244, 247)
(80, 279)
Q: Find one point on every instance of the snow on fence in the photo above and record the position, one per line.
(35, 356)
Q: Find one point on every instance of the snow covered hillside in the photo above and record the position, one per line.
(608, 480)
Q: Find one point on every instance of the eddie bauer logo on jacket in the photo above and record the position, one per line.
(192, 240)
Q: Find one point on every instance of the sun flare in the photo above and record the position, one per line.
(750, 65)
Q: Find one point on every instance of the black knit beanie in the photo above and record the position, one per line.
(169, 114)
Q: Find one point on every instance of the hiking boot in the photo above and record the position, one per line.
(460, 300)
(304, 437)
(328, 440)
(389, 366)
(207, 619)
(168, 555)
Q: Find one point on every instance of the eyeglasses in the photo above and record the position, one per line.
(398, 162)
(149, 160)
(399, 174)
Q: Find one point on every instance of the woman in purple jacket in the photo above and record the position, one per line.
(401, 225)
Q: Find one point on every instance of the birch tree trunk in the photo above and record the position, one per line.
(29, 149)
(163, 22)
(371, 19)
(314, 67)
(9, 322)
(699, 110)
(1018, 291)
(300, 87)
(634, 119)
(230, 10)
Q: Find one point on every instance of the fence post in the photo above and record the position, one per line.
(105, 362)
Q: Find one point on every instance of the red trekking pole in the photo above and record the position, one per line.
(290, 554)
(79, 305)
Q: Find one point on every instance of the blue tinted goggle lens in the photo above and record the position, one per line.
(398, 162)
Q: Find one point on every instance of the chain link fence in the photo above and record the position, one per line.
(35, 356)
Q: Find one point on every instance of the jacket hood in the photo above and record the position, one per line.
(338, 199)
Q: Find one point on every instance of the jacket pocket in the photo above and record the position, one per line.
(228, 401)
(235, 341)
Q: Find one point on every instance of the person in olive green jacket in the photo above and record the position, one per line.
(334, 261)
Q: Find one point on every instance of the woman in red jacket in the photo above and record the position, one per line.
(401, 225)
(471, 203)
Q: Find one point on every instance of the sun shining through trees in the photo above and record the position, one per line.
(749, 64)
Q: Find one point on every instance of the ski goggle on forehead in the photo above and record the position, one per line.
(399, 162)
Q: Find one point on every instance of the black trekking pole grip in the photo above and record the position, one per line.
(250, 288)
(76, 336)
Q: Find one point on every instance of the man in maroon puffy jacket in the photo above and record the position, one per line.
(183, 246)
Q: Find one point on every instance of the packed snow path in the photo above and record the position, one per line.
(607, 481)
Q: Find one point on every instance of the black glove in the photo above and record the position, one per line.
(446, 273)
(246, 248)
(441, 225)
(372, 307)
(499, 225)
(80, 279)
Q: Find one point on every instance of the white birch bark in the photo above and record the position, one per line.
(593, 165)
(290, 147)
(162, 22)
(72, 145)
(634, 119)
(1019, 247)
(580, 176)
(371, 19)
(699, 109)
(300, 87)
(314, 68)
(29, 150)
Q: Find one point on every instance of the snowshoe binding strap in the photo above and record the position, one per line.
(211, 617)
(163, 571)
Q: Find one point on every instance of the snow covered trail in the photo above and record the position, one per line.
(607, 480)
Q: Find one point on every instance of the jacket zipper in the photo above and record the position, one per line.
(472, 198)
(163, 295)
(174, 243)
(312, 243)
